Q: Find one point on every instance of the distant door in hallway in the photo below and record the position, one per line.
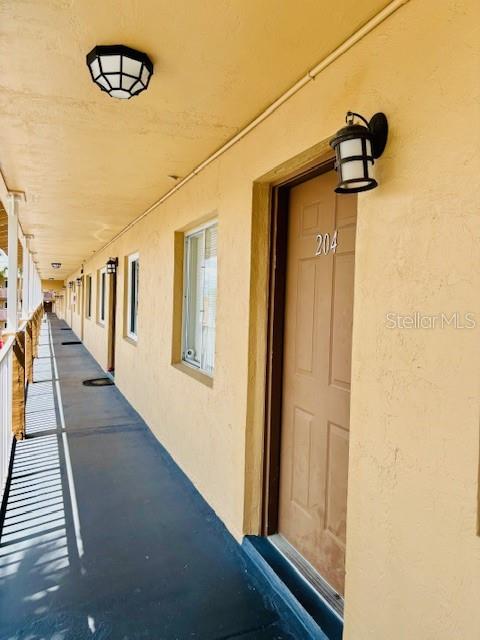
(112, 316)
(316, 374)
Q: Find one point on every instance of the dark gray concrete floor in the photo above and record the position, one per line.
(104, 536)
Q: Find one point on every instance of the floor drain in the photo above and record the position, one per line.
(98, 382)
(72, 342)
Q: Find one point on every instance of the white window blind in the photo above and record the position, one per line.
(200, 298)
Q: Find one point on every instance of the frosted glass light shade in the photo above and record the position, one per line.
(354, 159)
(119, 71)
(112, 265)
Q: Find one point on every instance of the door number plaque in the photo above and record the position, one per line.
(326, 244)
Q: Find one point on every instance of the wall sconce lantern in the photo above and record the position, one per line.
(56, 265)
(112, 264)
(357, 146)
(120, 71)
(79, 282)
(70, 284)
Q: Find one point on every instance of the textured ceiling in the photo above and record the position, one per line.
(89, 164)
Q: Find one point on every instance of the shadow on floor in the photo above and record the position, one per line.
(104, 536)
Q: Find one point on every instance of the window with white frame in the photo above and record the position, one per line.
(200, 297)
(88, 305)
(102, 289)
(132, 295)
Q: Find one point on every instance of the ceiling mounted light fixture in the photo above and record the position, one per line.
(120, 71)
(357, 146)
(56, 265)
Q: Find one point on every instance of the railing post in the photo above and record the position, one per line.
(18, 386)
(37, 318)
(35, 335)
(6, 389)
(12, 315)
(27, 276)
(31, 284)
(29, 351)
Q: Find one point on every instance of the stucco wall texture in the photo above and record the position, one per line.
(413, 554)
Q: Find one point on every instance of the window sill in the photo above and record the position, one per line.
(133, 341)
(195, 373)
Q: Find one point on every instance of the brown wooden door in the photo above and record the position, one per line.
(316, 378)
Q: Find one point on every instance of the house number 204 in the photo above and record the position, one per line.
(326, 244)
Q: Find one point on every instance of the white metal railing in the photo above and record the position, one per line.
(22, 303)
(6, 436)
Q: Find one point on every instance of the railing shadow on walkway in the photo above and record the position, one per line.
(145, 557)
(38, 532)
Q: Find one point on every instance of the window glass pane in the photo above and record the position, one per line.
(89, 296)
(133, 302)
(133, 269)
(137, 276)
(200, 298)
(193, 276)
(209, 300)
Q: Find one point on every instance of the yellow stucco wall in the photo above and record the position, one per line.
(413, 556)
(52, 285)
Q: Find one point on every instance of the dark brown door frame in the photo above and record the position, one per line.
(112, 318)
(275, 336)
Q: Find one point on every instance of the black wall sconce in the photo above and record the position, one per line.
(70, 284)
(79, 282)
(357, 146)
(112, 264)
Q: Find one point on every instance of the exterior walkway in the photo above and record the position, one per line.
(104, 536)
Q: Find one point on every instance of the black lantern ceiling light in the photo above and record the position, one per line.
(112, 264)
(357, 146)
(120, 71)
(56, 265)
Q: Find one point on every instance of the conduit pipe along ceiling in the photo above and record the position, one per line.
(357, 146)
(120, 71)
